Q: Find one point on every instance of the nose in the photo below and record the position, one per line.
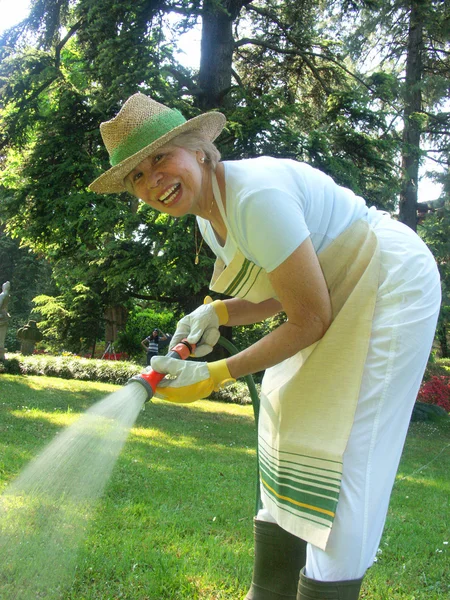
(154, 178)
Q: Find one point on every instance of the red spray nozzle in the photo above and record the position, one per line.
(151, 379)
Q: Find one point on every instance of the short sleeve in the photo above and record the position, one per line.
(271, 225)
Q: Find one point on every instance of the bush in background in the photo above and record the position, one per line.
(436, 391)
(106, 371)
(433, 399)
(437, 367)
(72, 367)
(140, 324)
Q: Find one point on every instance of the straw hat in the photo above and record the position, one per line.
(141, 127)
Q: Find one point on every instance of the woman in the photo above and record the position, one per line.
(151, 344)
(361, 294)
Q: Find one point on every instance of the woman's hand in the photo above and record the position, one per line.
(201, 327)
(192, 380)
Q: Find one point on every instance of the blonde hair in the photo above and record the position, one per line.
(194, 140)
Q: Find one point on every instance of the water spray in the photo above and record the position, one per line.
(46, 511)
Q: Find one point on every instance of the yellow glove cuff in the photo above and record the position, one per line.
(220, 374)
(221, 309)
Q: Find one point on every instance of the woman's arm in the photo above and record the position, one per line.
(243, 312)
(301, 288)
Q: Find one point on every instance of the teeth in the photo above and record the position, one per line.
(165, 198)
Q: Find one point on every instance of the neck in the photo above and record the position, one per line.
(208, 209)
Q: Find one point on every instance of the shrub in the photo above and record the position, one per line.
(73, 367)
(106, 371)
(11, 366)
(140, 324)
(440, 366)
(436, 391)
(237, 393)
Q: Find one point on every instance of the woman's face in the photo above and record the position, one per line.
(170, 180)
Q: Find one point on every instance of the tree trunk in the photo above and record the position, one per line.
(413, 104)
(217, 47)
(442, 338)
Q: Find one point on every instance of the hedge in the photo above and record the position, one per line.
(119, 372)
(106, 371)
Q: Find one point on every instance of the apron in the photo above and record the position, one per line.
(308, 401)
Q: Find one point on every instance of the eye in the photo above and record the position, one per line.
(137, 176)
(157, 158)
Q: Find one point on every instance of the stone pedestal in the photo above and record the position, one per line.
(4, 317)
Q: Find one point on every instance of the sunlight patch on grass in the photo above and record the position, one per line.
(426, 482)
(210, 406)
(39, 382)
(57, 418)
(161, 440)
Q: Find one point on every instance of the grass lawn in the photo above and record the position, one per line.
(176, 519)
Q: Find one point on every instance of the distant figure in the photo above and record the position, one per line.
(4, 316)
(152, 342)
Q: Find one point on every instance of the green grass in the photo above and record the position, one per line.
(176, 519)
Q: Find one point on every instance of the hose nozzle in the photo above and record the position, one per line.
(151, 379)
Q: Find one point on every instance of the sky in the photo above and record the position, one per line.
(13, 11)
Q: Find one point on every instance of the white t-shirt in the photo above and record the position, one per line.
(273, 205)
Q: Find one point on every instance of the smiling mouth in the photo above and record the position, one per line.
(170, 194)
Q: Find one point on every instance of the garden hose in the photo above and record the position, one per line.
(255, 404)
(182, 351)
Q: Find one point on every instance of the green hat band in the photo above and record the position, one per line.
(146, 134)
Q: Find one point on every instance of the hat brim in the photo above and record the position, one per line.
(111, 182)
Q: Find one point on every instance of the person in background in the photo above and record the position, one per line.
(361, 293)
(152, 342)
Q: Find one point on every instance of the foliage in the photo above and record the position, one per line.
(55, 96)
(104, 371)
(299, 89)
(70, 321)
(437, 366)
(246, 335)
(237, 393)
(434, 230)
(29, 276)
(436, 391)
(72, 367)
(140, 324)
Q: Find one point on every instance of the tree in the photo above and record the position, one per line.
(434, 230)
(45, 202)
(411, 40)
(279, 72)
(29, 276)
(217, 48)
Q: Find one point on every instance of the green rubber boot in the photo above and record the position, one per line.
(279, 556)
(310, 589)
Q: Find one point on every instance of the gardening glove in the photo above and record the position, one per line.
(201, 326)
(193, 380)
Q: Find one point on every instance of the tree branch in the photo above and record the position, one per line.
(64, 41)
(158, 298)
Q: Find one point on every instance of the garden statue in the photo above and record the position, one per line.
(4, 317)
(29, 335)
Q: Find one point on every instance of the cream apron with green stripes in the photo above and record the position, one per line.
(308, 401)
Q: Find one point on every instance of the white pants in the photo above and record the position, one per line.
(403, 330)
